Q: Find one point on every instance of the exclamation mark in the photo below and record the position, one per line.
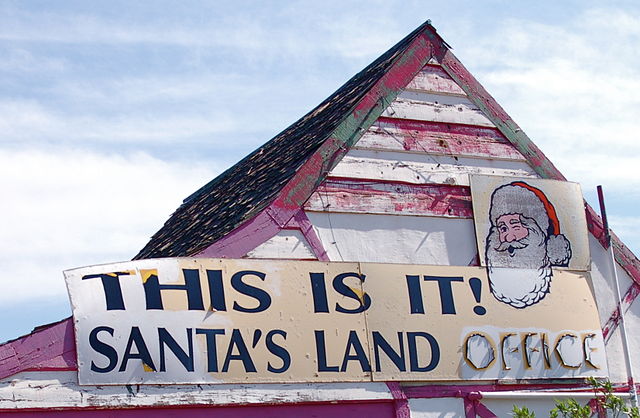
(476, 289)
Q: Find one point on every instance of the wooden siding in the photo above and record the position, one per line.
(438, 138)
(63, 391)
(356, 120)
(374, 197)
(432, 78)
(424, 168)
(436, 108)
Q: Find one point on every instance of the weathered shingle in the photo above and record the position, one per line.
(249, 186)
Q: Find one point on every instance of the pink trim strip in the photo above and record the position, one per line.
(245, 238)
(401, 402)
(439, 138)
(301, 221)
(293, 195)
(482, 411)
(302, 409)
(474, 408)
(338, 194)
(469, 408)
(625, 259)
(40, 350)
(492, 109)
(614, 319)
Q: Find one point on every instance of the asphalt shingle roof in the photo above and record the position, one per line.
(243, 190)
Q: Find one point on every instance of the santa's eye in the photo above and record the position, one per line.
(503, 228)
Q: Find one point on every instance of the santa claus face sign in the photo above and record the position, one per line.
(523, 236)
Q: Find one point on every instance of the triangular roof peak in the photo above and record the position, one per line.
(284, 171)
(253, 200)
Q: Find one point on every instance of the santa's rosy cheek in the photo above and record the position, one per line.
(520, 233)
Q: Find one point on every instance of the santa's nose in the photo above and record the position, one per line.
(510, 238)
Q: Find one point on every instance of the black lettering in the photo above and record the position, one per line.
(413, 352)
(415, 294)
(446, 294)
(396, 357)
(360, 355)
(166, 339)
(346, 291)
(152, 288)
(278, 351)
(104, 349)
(143, 352)
(243, 353)
(212, 350)
(216, 290)
(111, 288)
(321, 353)
(319, 291)
(263, 298)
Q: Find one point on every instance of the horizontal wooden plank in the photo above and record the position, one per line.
(61, 390)
(437, 138)
(433, 78)
(423, 168)
(374, 197)
(436, 108)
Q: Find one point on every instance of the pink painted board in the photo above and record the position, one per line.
(433, 78)
(301, 221)
(50, 347)
(379, 197)
(292, 196)
(438, 138)
(338, 410)
(243, 239)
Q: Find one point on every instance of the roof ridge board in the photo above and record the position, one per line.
(315, 109)
(300, 187)
(516, 136)
(492, 109)
(335, 107)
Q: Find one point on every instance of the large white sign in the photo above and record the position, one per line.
(194, 320)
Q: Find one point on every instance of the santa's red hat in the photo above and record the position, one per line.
(521, 198)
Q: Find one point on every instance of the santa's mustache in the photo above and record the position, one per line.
(512, 246)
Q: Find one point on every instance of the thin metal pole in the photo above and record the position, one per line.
(623, 329)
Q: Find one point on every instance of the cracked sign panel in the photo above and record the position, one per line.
(199, 320)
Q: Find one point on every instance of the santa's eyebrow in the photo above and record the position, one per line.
(515, 221)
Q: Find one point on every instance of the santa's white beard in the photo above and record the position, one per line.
(522, 276)
(520, 288)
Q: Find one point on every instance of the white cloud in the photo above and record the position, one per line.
(573, 89)
(72, 208)
(341, 34)
(628, 229)
(21, 60)
(31, 120)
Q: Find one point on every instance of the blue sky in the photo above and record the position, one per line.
(112, 112)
